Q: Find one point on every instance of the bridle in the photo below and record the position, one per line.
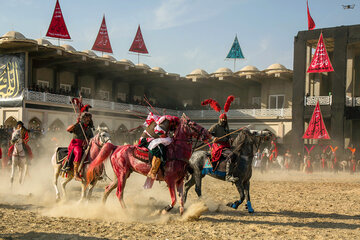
(100, 140)
(198, 133)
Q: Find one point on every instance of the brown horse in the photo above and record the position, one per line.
(96, 143)
(178, 153)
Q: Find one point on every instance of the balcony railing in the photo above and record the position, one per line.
(352, 101)
(323, 100)
(123, 107)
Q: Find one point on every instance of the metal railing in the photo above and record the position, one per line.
(323, 100)
(124, 107)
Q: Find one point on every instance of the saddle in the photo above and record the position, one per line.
(67, 164)
(142, 154)
(220, 165)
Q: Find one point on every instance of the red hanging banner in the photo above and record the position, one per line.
(138, 44)
(316, 128)
(311, 23)
(102, 42)
(320, 61)
(57, 28)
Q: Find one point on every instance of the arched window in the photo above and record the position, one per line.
(57, 125)
(10, 122)
(35, 124)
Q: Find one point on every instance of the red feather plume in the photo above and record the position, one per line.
(85, 108)
(229, 100)
(214, 104)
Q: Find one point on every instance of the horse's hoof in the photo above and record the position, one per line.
(181, 211)
(167, 209)
(232, 205)
(249, 207)
(163, 212)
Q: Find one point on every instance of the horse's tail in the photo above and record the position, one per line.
(105, 152)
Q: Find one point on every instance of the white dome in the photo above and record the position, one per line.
(249, 68)
(111, 58)
(199, 72)
(14, 35)
(276, 68)
(127, 61)
(43, 42)
(248, 71)
(143, 65)
(90, 53)
(224, 70)
(68, 48)
(158, 69)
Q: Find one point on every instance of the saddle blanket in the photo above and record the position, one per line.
(208, 169)
(141, 153)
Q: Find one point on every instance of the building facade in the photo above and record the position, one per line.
(48, 76)
(338, 92)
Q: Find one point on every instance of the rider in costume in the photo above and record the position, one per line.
(79, 142)
(221, 141)
(156, 137)
(24, 133)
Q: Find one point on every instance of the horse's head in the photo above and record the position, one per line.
(194, 130)
(16, 135)
(102, 136)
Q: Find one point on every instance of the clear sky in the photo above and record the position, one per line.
(182, 35)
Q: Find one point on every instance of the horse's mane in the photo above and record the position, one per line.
(240, 140)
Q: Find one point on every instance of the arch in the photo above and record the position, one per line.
(135, 135)
(103, 125)
(10, 122)
(57, 125)
(122, 135)
(35, 124)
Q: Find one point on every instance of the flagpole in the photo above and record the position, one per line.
(138, 58)
(234, 63)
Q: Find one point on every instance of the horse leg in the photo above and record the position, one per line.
(92, 185)
(57, 168)
(121, 185)
(247, 194)
(83, 191)
(63, 185)
(12, 170)
(23, 171)
(240, 189)
(172, 190)
(108, 190)
(188, 185)
(180, 190)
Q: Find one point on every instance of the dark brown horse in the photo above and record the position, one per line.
(178, 153)
(242, 156)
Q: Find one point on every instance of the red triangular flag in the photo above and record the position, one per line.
(320, 61)
(138, 44)
(311, 23)
(316, 128)
(57, 28)
(102, 42)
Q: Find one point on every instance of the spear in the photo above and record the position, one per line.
(223, 137)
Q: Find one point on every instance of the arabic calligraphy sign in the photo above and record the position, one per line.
(12, 77)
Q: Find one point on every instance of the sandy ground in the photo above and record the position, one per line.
(288, 205)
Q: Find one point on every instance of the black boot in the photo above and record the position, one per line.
(229, 177)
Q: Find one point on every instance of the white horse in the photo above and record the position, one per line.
(18, 157)
(95, 144)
